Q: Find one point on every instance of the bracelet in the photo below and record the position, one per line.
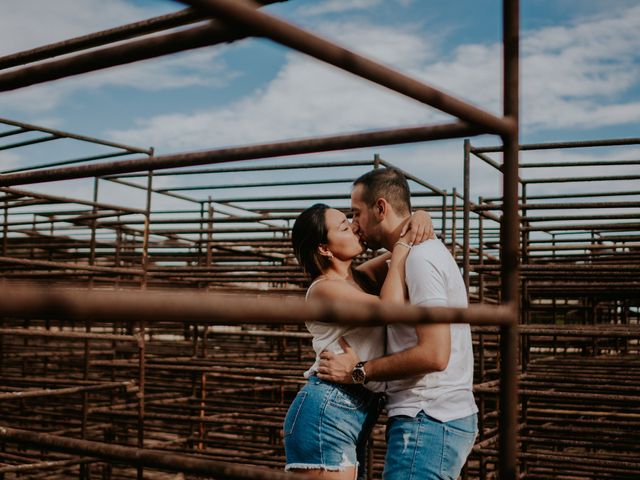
(404, 244)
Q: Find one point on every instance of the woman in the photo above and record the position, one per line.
(327, 425)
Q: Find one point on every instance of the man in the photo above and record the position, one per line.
(428, 368)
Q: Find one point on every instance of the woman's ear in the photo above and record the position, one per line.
(324, 251)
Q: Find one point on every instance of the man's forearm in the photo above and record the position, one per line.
(409, 363)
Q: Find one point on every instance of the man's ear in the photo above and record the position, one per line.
(380, 209)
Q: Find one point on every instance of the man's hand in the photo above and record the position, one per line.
(419, 228)
(338, 367)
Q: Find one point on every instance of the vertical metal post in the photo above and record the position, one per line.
(510, 229)
(376, 160)
(480, 254)
(5, 235)
(454, 214)
(209, 233)
(116, 255)
(203, 404)
(443, 231)
(85, 469)
(465, 219)
(94, 221)
(147, 226)
(141, 387)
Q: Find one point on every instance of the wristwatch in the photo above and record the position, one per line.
(358, 375)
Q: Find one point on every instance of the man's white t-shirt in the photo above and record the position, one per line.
(434, 280)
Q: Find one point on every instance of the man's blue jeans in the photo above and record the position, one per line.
(423, 448)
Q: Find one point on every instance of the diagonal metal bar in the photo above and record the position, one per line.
(245, 14)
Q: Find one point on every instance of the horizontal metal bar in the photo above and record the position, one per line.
(580, 179)
(29, 142)
(161, 459)
(213, 309)
(35, 332)
(589, 163)
(68, 162)
(258, 168)
(254, 185)
(9, 133)
(84, 138)
(586, 227)
(560, 206)
(232, 154)
(291, 198)
(62, 391)
(103, 37)
(553, 145)
(132, 51)
(59, 199)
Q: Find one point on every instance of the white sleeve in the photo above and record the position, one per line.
(425, 282)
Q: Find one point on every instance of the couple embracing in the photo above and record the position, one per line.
(423, 372)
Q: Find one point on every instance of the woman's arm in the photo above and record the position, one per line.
(393, 289)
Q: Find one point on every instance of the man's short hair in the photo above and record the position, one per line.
(387, 183)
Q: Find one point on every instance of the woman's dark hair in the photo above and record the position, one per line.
(308, 233)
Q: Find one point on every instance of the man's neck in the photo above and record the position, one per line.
(394, 231)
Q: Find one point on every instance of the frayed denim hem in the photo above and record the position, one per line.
(318, 466)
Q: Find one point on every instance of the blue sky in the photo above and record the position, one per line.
(580, 70)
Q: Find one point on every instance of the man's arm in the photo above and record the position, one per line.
(431, 354)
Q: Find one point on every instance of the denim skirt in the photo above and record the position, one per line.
(327, 426)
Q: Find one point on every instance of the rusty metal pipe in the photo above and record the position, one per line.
(296, 147)
(246, 15)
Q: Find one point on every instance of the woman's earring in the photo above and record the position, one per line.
(330, 255)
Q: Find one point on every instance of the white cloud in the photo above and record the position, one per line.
(569, 77)
(336, 6)
(574, 76)
(9, 160)
(306, 98)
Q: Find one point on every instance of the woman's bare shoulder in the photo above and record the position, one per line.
(337, 289)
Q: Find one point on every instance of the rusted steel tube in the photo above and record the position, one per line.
(409, 176)
(600, 178)
(68, 162)
(560, 206)
(212, 33)
(70, 266)
(290, 166)
(509, 255)
(232, 154)
(586, 227)
(60, 199)
(145, 457)
(34, 332)
(63, 134)
(245, 14)
(582, 163)
(44, 465)
(29, 142)
(229, 309)
(554, 145)
(47, 392)
(466, 223)
(251, 185)
(103, 37)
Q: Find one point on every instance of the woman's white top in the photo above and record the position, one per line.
(368, 342)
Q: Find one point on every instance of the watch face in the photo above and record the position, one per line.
(358, 375)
